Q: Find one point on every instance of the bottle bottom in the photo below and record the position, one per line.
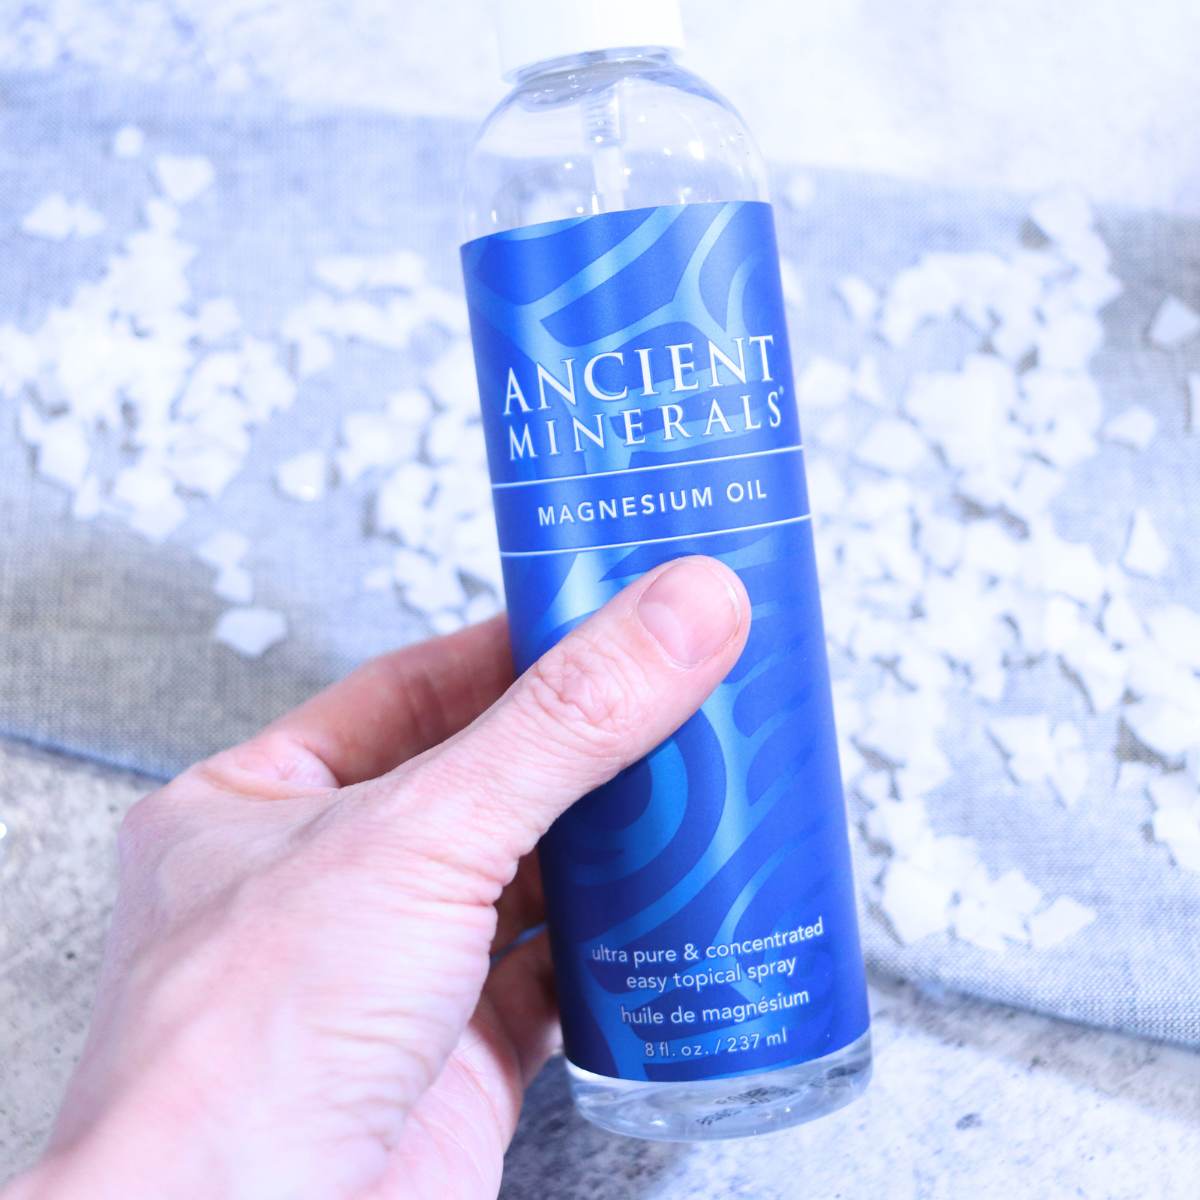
(712, 1109)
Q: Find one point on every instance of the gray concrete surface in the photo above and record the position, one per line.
(968, 1099)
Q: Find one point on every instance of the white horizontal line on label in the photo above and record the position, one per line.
(678, 537)
(691, 462)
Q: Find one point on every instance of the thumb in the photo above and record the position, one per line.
(606, 695)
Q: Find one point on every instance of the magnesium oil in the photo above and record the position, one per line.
(636, 384)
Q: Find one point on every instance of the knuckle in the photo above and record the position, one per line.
(172, 848)
(421, 840)
(141, 826)
(216, 775)
(592, 690)
(268, 767)
(153, 840)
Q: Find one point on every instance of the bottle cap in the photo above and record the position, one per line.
(533, 31)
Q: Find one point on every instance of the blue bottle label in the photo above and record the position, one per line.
(637, 401)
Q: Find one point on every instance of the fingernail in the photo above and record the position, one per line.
(692, 610)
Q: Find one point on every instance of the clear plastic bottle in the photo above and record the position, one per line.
(592, 128)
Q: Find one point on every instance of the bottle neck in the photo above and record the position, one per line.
(649, 56)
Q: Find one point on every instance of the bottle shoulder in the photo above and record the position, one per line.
(605, 137)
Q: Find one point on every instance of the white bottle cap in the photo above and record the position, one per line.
(533, 31)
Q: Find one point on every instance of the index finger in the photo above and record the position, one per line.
(392, 707)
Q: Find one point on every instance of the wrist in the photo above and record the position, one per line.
(107, 1165)
(58, 1176)
(136, 1145)
(30, 1186)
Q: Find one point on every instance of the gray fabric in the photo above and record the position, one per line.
(105, 643)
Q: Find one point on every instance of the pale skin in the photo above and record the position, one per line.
(305, 992)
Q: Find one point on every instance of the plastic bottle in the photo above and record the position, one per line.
(636, 387)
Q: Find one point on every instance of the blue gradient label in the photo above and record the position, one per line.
(636, 386)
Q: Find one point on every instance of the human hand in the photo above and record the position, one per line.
(306, 990)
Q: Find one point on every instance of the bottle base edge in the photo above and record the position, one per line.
(721, 1109)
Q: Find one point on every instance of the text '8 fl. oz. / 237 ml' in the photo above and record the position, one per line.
(636, 385)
